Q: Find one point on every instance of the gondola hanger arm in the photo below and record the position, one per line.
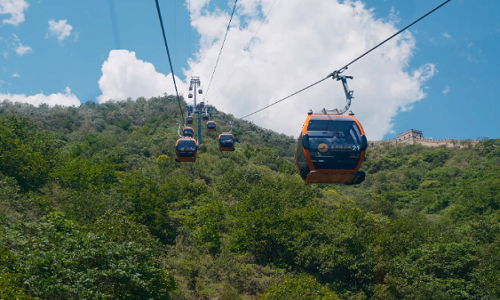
(336, 75)
(179, 130)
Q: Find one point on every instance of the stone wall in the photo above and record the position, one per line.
(412, 136)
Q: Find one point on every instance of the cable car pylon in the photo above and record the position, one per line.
(195, 86)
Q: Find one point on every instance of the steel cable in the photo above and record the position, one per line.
(169, 59)
(346, 66)
(218, 57)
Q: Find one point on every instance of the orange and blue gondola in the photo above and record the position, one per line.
(226, 141)
(188, 131)
(331, 149)
(186, 149)
(211, 126)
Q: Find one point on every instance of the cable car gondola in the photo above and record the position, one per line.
(211, 126)
(188, 131)
(201, 104)
(190, 95)
(189, 120)
(200, 91)
(331, 147)
(186, 149)
(205, 117)
(226, 141)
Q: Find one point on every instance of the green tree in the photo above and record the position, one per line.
(26, 152)
(302, 287)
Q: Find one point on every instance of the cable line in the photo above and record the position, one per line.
(283, 99)
(114, 23)
(189, 32)
(337, 72)
(218, 57)
(431, 11)
(169, 59)
(248, 46)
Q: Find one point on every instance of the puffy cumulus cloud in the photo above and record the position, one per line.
(300, 43)
(65, 99)
(61, 29)
(14, 8)
(124, 76)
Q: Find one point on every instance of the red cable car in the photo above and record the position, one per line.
(205, 117)
(211, 126)
(189, 120)
(186, 149)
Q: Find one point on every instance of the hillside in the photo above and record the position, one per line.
(89, 210)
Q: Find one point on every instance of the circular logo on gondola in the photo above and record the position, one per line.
(323, 147)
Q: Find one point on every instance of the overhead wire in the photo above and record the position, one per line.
(248, 46)
(114, 23)
(334, 73)
(169, 59)
(189, 31)
(218, 57)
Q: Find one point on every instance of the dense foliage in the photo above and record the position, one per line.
(93, 206)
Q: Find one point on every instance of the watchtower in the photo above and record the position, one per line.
(409, 136)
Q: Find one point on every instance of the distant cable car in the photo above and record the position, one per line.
(330, 149)
(189, 120)
(188, 131)
(190, 109)
(226, 141)
(200, 91)
(211, 126)
(190, 87)
(201, 104)
(205, 116)
(186, 149)
(190, 95)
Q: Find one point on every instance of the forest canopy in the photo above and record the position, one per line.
(94, 206)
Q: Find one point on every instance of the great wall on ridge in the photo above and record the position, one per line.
(413, 136)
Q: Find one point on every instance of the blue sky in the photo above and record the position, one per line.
(442, 77)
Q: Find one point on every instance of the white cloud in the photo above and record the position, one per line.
(14, 8)
(470, 44)
(16, 75)
(446, 90)
(21, 50)
(64, 99)
(446, 35)
(300, 44)
(60, 29)
(124, 76)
